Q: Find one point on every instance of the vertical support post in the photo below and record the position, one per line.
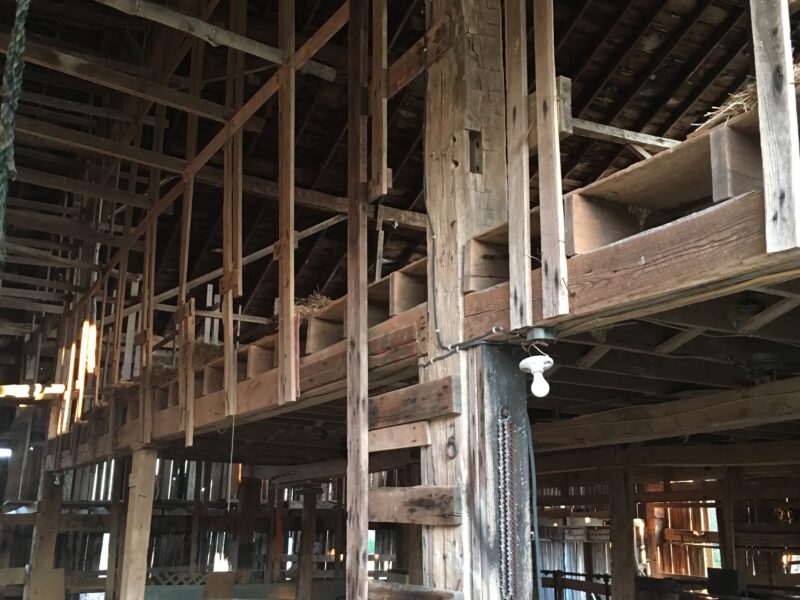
(197, 507)
(287, 343)
(777, 112)
(307, 539)
(357, 352)
(186, 314)
(379, 100)
(623, 557)
(231, 283)
(654, 525)
(137, 524)
(727, 522)
(116, 522)
(48, 516)
(555, 295)
(466, 193)
(519, 195)
(277, 539)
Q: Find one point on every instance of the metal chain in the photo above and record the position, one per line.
(506, 504)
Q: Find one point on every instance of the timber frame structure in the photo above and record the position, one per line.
(270, 269)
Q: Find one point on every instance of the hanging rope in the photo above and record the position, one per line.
(12, 86)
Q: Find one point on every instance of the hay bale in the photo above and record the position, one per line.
(311, 305)
(743, 101)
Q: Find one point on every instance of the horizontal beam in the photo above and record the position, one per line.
(774, 402)
(211, 34)
(81, 187)
(418, 505)
(672, 455)
(69, 64)
(707, 254)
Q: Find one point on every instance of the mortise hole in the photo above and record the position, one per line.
(475, 152)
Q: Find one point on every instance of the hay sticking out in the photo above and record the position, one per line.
(206, 353)
(311, 305)
(743, 101)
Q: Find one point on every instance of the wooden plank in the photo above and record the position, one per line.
(385, 590)
(428, 400)
(777, 112)
(735, 163)
(722, 411)
(704, 255)
(409, 435)
(288, 351)
(555, 295)
(668, 180)
(616, 135)
(356, 575)
(418, 505)
(485, 264)
(379, 102)
(215, 36)
(137, 524)
(219, 585)
(519, 199)
(592, 223)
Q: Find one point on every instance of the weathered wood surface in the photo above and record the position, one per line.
(777, 111)
(428, 400)
(418, 505)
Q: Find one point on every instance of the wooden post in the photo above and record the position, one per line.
(197, 507)
(519, 195)
(48, 516)
(726, 521)
(137, 524)
(307, 539)
(465, 189)
(116, 524)
(623, 557)
(277, 538)
(777, 112)
(555, 296)
(379, 175)
(654, 525)
(357, 352)
(287, 343)
(231, 282)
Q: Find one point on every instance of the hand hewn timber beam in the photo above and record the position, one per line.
(69, 64)
(427, 51)
(643, 275)
(213, 35)
(735, 409)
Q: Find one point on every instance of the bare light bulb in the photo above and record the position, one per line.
(540, 388)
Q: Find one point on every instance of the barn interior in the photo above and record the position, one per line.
(431, 300)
